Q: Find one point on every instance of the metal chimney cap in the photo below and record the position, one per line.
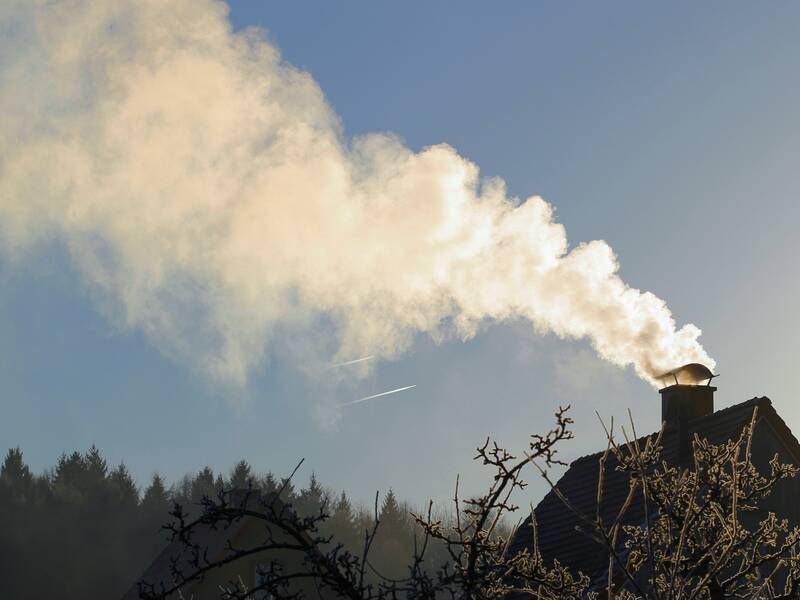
(689, 374)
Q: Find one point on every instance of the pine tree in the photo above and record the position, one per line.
(268, 484)
(15, 473)
(342, 524)
(394, 542)
(364, 521)
(181, 492)
(70, 470)
(311, 499)
(203, 485)
(241, 475)
(99, 495)
(154, 509)
(19, 501)
(120, 528)
(286, 488)
(69, 478)
(123, 486)
(391, 516)
(96, 466)
(156, 499)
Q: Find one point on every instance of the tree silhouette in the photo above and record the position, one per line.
(70, 475)
(241, 475)
(269, 484)
(87, 522)
(123, 487)
(312, 499)
(155, 500)
(96, 467)
(394, 548)
(16, 477)
(693, 545)
(343, 523)
(203, 485)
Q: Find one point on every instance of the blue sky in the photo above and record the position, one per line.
(669, 131)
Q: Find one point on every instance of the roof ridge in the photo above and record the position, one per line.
(557, 535)
(755, 400)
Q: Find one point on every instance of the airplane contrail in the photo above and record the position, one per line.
(402, 389)
(354, 361)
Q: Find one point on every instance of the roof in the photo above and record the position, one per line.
(213, 539)
(556, 525)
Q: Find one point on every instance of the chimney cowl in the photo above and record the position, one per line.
(688, 374)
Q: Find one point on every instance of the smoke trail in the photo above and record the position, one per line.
(208, 198)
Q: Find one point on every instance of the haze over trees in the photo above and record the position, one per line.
(87, 527)
(93, 531)
(703, 535)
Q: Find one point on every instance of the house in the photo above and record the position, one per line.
(687, 409)
(241, 533)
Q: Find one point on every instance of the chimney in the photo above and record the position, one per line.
(686, 399)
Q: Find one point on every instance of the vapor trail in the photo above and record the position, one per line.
(353, 362)
(402, 389)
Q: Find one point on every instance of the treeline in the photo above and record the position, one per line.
(83, 529)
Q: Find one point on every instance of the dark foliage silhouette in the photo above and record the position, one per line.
(707, 533)
(88, 526)
(703, 536)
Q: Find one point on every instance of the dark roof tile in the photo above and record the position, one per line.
(558, 527)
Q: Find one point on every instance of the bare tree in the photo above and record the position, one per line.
(693, 540)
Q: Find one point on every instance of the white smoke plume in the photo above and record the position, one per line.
(208, 198)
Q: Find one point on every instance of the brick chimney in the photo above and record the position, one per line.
(685, 400)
